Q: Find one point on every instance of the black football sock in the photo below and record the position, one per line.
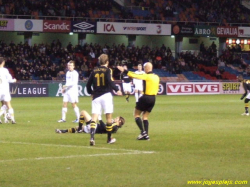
(139, 123)
(109, 130)
(145, 122)
(92, 129)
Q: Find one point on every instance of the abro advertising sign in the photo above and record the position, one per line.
(56, 26)
(193, 88)
(133, 28)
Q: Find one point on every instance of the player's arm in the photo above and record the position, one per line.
(9, 78)
(137, 76)
(111, 82)
(89, 83)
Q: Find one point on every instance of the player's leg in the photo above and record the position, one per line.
(96, 108)
(138, 121)
(73, 99)
(70, 130)
(64, 108)
(246, 101)
(77, 113)
(145, 124)
(84, 117)
(64, 112)
(108, 107)
(7, 99)
(246, 107)
(136, 95)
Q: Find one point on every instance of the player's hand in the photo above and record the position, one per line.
(241, 98)
(119, 92)
(120, 68)
(14, 80)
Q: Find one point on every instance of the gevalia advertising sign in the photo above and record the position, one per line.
(56, 26)
(227, 31)
(133, 28)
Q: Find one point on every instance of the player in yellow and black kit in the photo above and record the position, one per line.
(102, 99)
(117, 123)
(126, 83)
(146, 102)
(246, 86)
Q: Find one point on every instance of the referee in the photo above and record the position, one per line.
(146, 102)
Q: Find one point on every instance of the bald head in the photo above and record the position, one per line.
(148, 67)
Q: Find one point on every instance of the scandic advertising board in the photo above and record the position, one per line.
(180, 88)
(56, 26)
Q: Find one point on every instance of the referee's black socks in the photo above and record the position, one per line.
(139, 123)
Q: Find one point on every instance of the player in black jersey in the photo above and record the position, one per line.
(126, 83)
(102, 99)
(246, 86)
(85, 117)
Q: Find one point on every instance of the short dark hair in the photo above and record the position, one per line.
(121, 121)
(2, 59)
(72, 62)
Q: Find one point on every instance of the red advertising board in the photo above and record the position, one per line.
(56, 26)
(193, 88)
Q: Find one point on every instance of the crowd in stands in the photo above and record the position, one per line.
(164, 10)
(48, 61)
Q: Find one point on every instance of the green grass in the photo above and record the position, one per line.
(192, 138)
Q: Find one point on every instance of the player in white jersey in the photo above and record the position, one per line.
(5, 79)
(70, 90)
(138, 83)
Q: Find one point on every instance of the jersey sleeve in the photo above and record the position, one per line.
(137, 76)
(89, 83)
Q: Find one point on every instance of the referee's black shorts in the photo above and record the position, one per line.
(145, 103)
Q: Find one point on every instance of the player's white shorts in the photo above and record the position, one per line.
(139, 86)
(5, 97)
(126, 87)
(248, 96)
(70, 97)
(104, 102)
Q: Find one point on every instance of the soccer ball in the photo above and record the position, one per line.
(8, 116)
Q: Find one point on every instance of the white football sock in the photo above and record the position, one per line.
(64, 111)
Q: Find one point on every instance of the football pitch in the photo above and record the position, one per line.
(197, 140)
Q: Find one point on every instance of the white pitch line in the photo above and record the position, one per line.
(73, 146)
(76, 156)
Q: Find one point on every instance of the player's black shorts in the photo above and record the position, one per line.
(146, 103)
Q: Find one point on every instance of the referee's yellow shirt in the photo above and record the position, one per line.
(150, 83)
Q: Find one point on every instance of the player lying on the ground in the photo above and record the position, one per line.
(101, 126)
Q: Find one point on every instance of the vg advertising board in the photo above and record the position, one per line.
(190, 88)
(29, 90)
